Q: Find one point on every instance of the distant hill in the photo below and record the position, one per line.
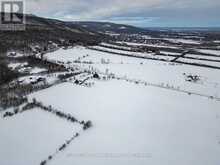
(105, 27)
(41, 30)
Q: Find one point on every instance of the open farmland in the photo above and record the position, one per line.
(116, 102)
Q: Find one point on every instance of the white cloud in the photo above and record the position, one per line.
(106, 10)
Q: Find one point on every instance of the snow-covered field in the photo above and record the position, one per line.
(184, 41)
(130, 119)
(202, 56)
(133, 123)
(147, 70)
(83, 54)
(30, 137)
(211, 63)
(215, 52)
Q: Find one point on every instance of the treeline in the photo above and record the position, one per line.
(51, 67)
(61, 148)
(35, 104)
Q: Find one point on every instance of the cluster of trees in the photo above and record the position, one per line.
(86, 125)
(14, 95)
(51, 67)
(27, 107)
(7, 100)
(96, 75)
(191, 78)
(6, 75)
(8, 114)
(66, 76)
(25, 89)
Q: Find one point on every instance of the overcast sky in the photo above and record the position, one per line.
(165, 13)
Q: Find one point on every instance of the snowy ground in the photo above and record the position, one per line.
(146, 70)
(188, 41)
(30, 137)
(131, 119)
(133, 123)
(215, 52)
